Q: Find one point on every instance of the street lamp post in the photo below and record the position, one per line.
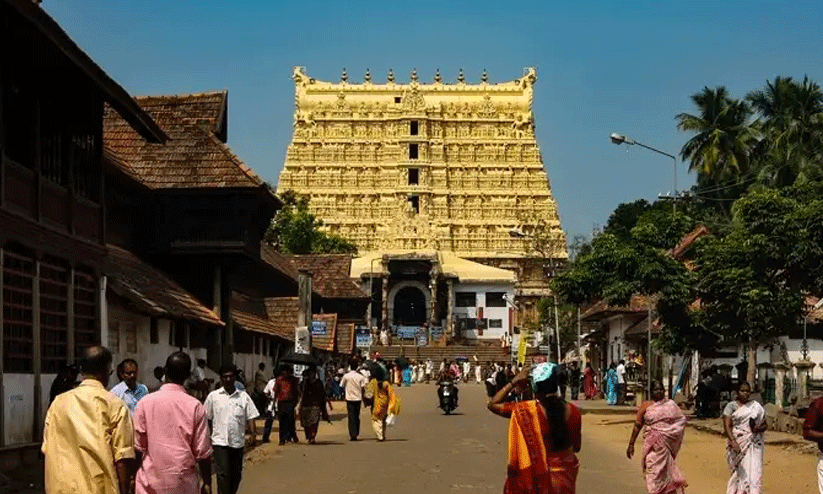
(371, 299)
(621, 139)
(517, 233)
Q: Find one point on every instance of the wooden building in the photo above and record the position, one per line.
(197, 212)
(52, 207)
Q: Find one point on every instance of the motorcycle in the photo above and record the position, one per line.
(447, 397)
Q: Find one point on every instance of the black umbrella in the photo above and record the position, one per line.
(299, 359)
(401, 362)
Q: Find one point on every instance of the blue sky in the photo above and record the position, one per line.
(625, 67)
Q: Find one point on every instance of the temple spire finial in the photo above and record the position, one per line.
(368, 76)
(414, 75)
(390, 77)
(344, 77)
(485, 76)
(437, 77)
(460, 77)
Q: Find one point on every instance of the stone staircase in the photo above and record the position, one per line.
(484, 353)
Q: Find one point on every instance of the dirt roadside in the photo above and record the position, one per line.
(703, 457)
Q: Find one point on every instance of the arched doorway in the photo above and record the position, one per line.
(409, 307)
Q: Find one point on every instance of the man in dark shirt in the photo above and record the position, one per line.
(574, 380)
(287, 392)
(813, 431)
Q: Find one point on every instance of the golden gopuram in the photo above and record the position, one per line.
(429, 167)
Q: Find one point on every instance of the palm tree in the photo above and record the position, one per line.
(791, 115)
(723, 140)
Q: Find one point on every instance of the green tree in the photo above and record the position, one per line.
(616, 268)
(752, 283)
(294, 230)
(723, 140)
(791, 117)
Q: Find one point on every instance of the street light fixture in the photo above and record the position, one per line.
(619, 139)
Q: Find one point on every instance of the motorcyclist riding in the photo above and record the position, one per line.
(446, 375)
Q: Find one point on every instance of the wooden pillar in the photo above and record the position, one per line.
(2, 351)
(36, 351)
(384, 316)
(70, 338)
(449, 329)
(433, 299)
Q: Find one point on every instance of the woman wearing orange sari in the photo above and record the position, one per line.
(544, 435)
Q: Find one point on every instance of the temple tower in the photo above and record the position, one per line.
(427, 166)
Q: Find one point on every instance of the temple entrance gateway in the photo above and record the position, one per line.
(410, 307)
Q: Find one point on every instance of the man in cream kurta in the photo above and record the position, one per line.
(88, 438)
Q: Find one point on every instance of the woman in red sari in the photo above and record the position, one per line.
(544, 435)
(589, 386)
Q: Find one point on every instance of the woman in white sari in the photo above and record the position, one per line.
(743, 421)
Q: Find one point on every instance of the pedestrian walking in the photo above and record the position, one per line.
(271, 399)
(574, 381)
(620, 370)
(544, 434)
(562, 379)
(743, 421)
(129, 390)
(380, 394)
(88, 439)
(230, 410)
(65, 380)
(429, 370)
(589, 385)
(257, 396)
(665, 426)
(287, 393)
(612, 386)
(172, 433)
(353, 384)
(313, 404)
(478, 373)
(813, 431)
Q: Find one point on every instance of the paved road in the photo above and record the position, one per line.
(425, 452)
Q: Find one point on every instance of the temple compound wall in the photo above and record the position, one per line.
(438, 166)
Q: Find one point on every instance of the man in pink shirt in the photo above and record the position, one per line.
(172, 433)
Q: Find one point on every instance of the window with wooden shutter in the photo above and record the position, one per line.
(54, 318)
(86, 311)
(18, 312)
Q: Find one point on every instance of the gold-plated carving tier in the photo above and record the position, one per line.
(479, 171)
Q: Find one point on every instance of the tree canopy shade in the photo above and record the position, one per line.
(615, 268)
(294, 230)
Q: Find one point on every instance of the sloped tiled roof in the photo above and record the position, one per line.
(277, 260)
(638, 304)
(151, 291)
(283, 313)
(204, 109)
(641, 328)
(326, 341)
(193, 156)
(814, 316)
(330, 274)
(345, 337)
(251, 314)
(688, 240)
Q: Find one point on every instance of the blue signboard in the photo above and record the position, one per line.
(362, 337)
(318, 328)
(409, 332)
